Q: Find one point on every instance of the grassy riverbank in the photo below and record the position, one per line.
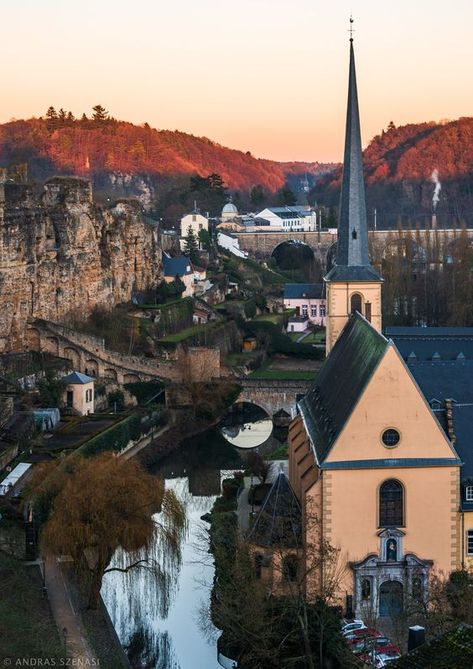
(27, 628)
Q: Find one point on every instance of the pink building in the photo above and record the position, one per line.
(308, 299)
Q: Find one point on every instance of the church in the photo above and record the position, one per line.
(379, 451)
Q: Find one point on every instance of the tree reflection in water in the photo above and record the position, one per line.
(159, 628)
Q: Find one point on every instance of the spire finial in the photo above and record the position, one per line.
(351, 27)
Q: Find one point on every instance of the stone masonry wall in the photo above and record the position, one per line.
(61, 253)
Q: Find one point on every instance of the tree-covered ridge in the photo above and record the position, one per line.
(60, 143)
(399, 165)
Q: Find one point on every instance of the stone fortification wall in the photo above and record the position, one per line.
(61, 253)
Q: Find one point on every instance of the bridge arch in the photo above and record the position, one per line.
(131, 378)
(296, 255)
(33, 339)
(73, 355)
(92, 367)
(110, 374)
(51, 345)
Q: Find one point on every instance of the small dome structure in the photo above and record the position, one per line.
(229, 210)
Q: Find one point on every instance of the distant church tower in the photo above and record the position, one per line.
(352, 284)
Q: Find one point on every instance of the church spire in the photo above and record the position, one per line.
(352, 247)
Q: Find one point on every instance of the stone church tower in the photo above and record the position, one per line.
(352, 284)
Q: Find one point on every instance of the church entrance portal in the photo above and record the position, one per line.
(390, 598)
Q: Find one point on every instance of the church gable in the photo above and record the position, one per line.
(391, 421)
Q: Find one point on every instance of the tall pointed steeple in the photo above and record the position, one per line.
(352, 262)
(353, 285)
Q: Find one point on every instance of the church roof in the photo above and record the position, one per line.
(352, 261)
(339, 384)
(443, 380)
(279, 522)
(420, 344)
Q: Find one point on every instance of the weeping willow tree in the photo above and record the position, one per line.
(103, 504)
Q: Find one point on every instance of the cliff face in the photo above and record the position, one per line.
(61, 253)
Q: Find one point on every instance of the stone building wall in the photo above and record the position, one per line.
(62, 253)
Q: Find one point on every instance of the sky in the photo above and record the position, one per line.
(266, 76)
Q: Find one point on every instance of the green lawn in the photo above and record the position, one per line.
(183, 334)
(238, 358)
(272, 318)
(294, 335)
(26, 623)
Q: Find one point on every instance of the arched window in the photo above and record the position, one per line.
(355, 303)
(366, 589)
(391, 504)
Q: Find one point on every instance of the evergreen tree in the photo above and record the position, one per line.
(191, 247)
(62, 114)
(51, 113)
(100, 113)
(204, 239)
(258, 196)
(285, 197)
(84, 117)
(71, 117)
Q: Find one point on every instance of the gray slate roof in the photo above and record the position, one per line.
(420, 344)
(176, 266)
(339, 384)
(294, 291)
(352, 262)
(76, 378)
(441, 380)
(279, 522)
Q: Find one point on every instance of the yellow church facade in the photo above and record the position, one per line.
(373, 455)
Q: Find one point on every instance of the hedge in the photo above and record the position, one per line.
(115, 438)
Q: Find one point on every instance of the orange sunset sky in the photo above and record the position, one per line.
(268, 76)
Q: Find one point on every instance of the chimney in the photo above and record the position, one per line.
(416, 637)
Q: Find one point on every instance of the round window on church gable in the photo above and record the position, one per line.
(390, 437)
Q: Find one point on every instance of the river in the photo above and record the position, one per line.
(167, 632)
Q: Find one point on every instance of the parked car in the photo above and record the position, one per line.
(351, 625)
(379, 660)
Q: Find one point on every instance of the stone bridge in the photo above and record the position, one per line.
(262, 244)
(272, 395)
(89, 355)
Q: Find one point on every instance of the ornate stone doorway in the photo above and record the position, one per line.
(391, 595)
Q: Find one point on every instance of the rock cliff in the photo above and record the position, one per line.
(62, 253)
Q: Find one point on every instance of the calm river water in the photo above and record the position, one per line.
(167, 632)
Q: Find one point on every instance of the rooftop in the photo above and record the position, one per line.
(293, 291)
(179, 266)
(279, 522)
(76, 378)
(339, 384)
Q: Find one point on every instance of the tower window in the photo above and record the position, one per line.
(391, 504)
(354, 234)
(355, 303)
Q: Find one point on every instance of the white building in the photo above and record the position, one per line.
(227, 241)
(195, 221)
(79, 393)
(289, 219)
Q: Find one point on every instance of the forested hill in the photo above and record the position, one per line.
(401, 165)
(106, 149)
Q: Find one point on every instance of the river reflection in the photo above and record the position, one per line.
(246, 425)
(162, 630)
